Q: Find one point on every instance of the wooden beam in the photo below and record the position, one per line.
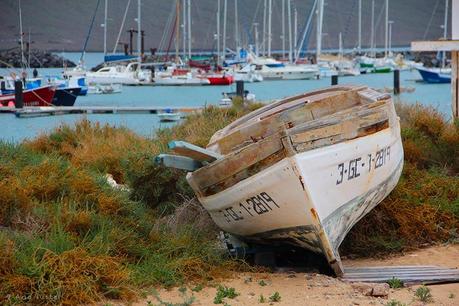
(437, 45)
(235, 162)
(455, 19)
(190, 150)
(177, 162)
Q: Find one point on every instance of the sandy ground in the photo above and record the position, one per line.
(321, 290)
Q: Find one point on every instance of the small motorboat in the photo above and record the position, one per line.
(40, 96)
(168, 115)
(103, 89)
(435, 75)
(227, 98)
(301, 171)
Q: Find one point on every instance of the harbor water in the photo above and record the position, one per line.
(17, 129)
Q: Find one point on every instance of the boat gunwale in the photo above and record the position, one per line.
(236, 166)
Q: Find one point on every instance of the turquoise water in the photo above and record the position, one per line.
(16, 129)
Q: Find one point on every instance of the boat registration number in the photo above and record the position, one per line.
(364, 164)
(253, 206)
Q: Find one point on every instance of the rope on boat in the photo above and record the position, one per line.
(42, 100)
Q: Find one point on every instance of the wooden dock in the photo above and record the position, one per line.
(28, 112)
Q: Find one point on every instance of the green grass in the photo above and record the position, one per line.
(395, 303)
(261, 299)
(262, 283)
(275, 297)
(224, 292)
(56, 204)
(423, 294)
(395, 283)
(424, 206)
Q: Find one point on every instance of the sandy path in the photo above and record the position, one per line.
(316, 289)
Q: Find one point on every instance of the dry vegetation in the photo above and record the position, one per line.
(67, 237)
(424, 207)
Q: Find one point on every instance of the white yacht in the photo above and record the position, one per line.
(271, 69)
(120, 74)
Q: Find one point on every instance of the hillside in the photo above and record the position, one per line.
(63, 25)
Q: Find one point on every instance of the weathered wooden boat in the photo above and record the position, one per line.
(300, 171)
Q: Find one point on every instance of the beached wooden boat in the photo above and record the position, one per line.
(299, 171)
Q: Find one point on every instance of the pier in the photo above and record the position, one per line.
(28, 112)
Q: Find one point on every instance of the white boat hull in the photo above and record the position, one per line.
(285, 73)
(170, 117)
(312, 199)
(111, 79)
(174, 81)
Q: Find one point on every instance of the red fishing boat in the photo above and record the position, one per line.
(41, 96)
(220, 79)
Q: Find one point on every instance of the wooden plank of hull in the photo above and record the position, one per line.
(293, 111)
(273, 105)
(317, 133)
(192, 151)
(178, 162)
(235, 162)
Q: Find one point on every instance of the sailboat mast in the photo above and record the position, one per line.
(295, 32)
(28, 53)
(372, 35)
(189, 29)
(218, 31)
(139, 29)
(21, 34)
(184, 27)
(270, 13)
(265, 7)
(386, 34)
(283, 28)
(289, 19)
(445, 33)
(121, 27)
(359, 47)
(105, 27)
(236, 26)
(340, 46)
(390, 36)
(225, 11)
(177, 30)
(306, 29)
(257, 46)
(319, 29)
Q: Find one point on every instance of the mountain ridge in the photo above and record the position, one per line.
(63, 25)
